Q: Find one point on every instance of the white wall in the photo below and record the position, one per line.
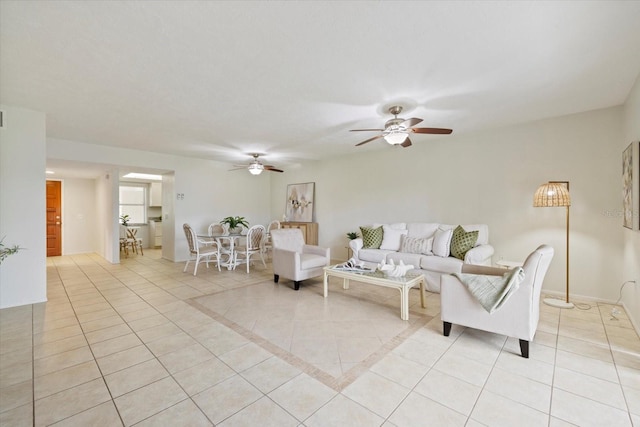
(78, 216)
(631, 239)
(22, 206)
(487, 177)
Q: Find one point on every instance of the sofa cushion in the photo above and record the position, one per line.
(373, 255)
(483, 231)
(391, 238)
(371, 237)
(462, 241)
(394, 226)
(406, 258)
(412, 245)
(441, 264)
(421, 230)
(442, 242)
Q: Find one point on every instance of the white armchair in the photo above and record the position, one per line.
(519, 315)
(293, 259)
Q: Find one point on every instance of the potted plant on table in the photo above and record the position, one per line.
(352, 235)
(233, 222)
(124, 219)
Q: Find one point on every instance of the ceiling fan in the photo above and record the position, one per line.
(396, 131)
(256, 167)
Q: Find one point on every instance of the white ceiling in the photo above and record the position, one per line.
(219, 80)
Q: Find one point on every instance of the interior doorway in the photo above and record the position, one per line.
(54, 218)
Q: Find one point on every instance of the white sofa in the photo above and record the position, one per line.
(433, 258)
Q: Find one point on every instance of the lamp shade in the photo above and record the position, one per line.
(256, 168)
(551, 194)
(396, 137)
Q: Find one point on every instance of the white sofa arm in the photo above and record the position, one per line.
(285, 263)
(316, 250)
(356, 245)
(480, 255)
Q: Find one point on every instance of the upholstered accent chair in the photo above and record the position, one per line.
(517, 317)
(295, 260)
(200, 251)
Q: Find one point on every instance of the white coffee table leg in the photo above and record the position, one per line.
(326, 284)
(404, 303)
(345, 284)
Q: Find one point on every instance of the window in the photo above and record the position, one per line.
(133, 203)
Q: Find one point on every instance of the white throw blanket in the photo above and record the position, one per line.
(492, 291)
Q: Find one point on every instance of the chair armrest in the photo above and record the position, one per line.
(483, 270)
(316, 250)
(480, 255)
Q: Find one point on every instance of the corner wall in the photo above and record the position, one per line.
(631, 238)
(22, 206)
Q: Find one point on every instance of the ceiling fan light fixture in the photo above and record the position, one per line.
(396, 136)
(255, 168)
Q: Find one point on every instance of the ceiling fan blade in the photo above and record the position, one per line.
(406, 143)
(272, 169)
(366, 130)
(369, 140)
(431, 130)
(237, 168)
(411, 122)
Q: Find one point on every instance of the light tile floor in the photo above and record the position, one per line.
(141, 343)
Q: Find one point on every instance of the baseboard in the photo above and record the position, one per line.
(634, 322)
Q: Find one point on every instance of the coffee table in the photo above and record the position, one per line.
(403, 284)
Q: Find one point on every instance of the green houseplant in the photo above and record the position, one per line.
(234, 221)
(352, 235)
(5, 252)
(125, 220)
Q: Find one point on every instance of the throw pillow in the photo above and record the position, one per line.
(371, 237)
(442, 242)
(413, 245)
(462, 241)
(391, 238)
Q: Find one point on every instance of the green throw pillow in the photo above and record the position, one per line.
(462, 241)
(371, 237)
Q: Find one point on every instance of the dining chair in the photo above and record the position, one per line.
(200, 251)
(267, 244)
(252, 246)
(124, 242)
(134, 241)
(217, 229)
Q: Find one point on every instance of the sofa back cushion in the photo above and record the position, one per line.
(483, 231)
(371, 237)
(421, 230)
(414, 245)
(391, 238)
(462, 240)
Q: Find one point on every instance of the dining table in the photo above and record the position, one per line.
(227, 244)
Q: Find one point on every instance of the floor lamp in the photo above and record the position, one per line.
(555, 194)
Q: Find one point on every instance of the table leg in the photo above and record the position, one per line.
(422, 295)
(326, 284)
(345, 284)
(404, 303)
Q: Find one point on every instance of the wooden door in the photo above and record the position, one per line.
(54, 221)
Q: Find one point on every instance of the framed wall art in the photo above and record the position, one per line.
(300, 201)
(631, 186)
